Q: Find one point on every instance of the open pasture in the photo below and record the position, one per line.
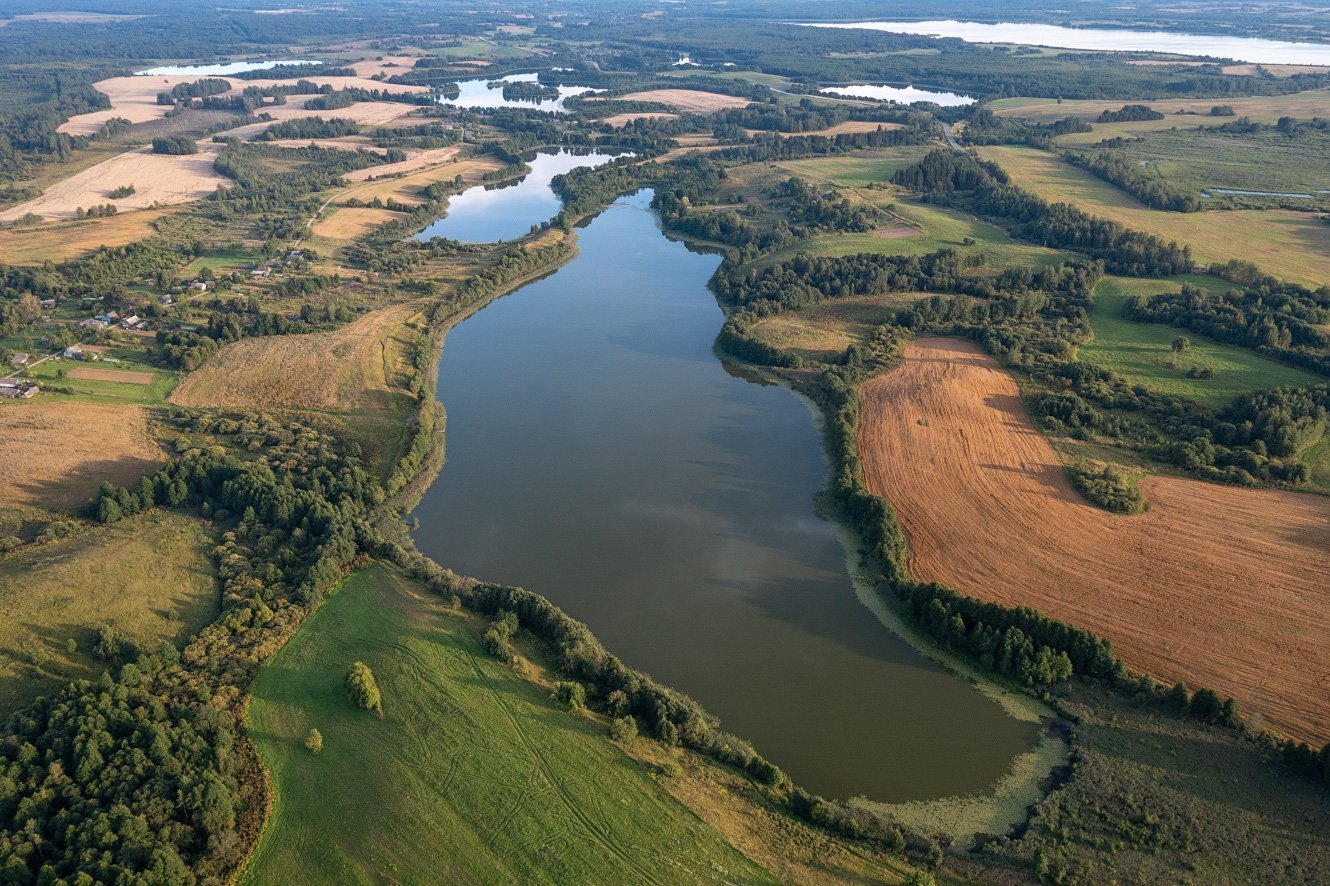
(149, 577)
(1263, 108)
(1217, 586)
(690, 100)
(64, 240)
(57, 451)
(1293, 246)
(350, 222)
(466, 748)
(822, 331)
(415, 161)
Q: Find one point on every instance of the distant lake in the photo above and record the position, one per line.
(490, 213)
(218, 70)
(599, 453)
(1246, 49)
(477, 94)
(904, 95)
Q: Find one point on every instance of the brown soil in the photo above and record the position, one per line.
(849, 126)
(895, 232)
(1216, 586)
(125, 376)
(57, 452)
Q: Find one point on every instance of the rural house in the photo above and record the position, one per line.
(14, 388)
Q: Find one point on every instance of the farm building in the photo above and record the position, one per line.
(19, 359)
(94, 323)
(14, 389)
(73, 352)
(47, 304)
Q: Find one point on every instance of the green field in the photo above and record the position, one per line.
(773, 80)
(95, 390)
(472, 775)
(1292, 246)
(856, 171)
(149, 577)
(1141, 352)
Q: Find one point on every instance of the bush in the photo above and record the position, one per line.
(363, 688)
(174, 144)
(314, 741)
(1109, 487)
(569, 695)
(623, 729)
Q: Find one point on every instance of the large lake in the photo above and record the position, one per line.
(1247, 49)
(478, 94)
(220, 69)
(904, 95)
(490, 213)
(600, 454)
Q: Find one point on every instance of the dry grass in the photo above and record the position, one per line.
(1266, 108)
(620, 119)
(350, 222)
(61, 241)
(823, 330)
(414, 162)
(125, 376)
(149, 577)
(1216, 586)
(406, 189)
(350, 143)
(1277, 70)
(389, 64)
(1294, 246)
(57, 452)
(358, 366)
(158, 180)
(364, 113)
(693, 100)
(849, 126)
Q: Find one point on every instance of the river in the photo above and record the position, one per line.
(1245, 49)
(600, 454)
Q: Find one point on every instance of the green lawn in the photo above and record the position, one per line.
(859, 170)
(1140, 351)
(94, 390)
(472, 776)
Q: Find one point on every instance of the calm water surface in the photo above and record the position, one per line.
(902, 94)
(600, 454)
(477, 94)
(218, 70)
(1246, 49)
(490, 213)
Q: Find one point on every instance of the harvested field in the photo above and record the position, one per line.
(364, 113)
(407, 188)
(350, 222)
(821, 331)
(354, 143)
(1264, 108)
(620, 119)
(389, 64)
(414, 162)
(694, 100)
(1216, 586)
(355, 366)
(61, 241)
(68, 448)
(158, 179)
(125, 376)
(849, 126)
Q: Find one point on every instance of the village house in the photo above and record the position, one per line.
(133, 321)
(73, 352)
(17, 388)
(260, 273)
(20, 359)
(94, 323)
(47, 304)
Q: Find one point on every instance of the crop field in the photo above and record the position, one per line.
(354, 367)
(821, 331)
(849, 126)
(469, 760)
(57, 451)
(1237, 590)
(618, 120)
(61, 241)
(775, 81)
(158, 179)
(693, 100)
(1293, 246)
(1262, 108)
(1143, 352)
(69, 380)
(414, 162)
(350, 222)
(149, 577)
(856, 170)
(407, 188)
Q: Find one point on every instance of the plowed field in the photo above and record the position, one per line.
(1216, 586)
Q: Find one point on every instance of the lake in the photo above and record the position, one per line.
(1246, 49)
(477, 94)
(901, 94)
(490, 213)
(600, 454)
(218, 70)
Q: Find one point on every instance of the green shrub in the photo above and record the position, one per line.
(1109, 487)
(363, 688)
(569, 695)
(314, 741)
(623, 729)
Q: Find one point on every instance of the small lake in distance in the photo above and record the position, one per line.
(1246, 49)
(220, 69)
(599, 453)
(490, 213)
(478, 94)
(904, 95)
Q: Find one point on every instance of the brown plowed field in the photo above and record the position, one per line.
(1217, 586)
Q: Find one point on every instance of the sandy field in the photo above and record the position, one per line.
(157, 179)
(126, 376)
(325, 370)
(694, 100)
(364, 113)
(389, 65)
(1216, 586)
(620, 119)
(57, 452)
(135, 98)
(414, 162)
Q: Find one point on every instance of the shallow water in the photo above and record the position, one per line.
(904, 95)
(600, 454)
(1245, 49)
(490, 213)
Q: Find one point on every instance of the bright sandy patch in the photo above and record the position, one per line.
(688, 99)
(1216, 586)
(414, 162)
(620, 119)
(349, 222)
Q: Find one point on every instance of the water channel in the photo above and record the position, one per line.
(600, 454)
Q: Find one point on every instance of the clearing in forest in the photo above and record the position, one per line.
(149, 577)
(1293, 246)
(693, 100)
(65, 240)
(1217, 586)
